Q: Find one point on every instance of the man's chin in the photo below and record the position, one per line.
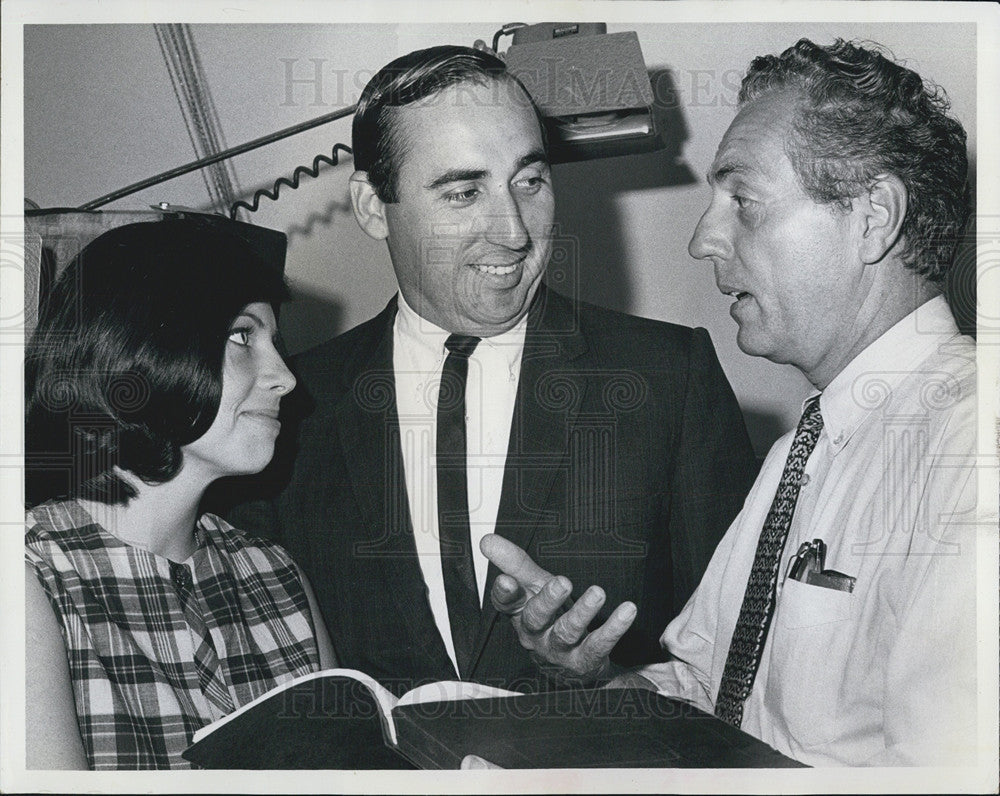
(751, 344)
(495, 312)
(763, 348)
(491, 322)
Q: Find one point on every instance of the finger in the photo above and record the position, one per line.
(512, 560)
(569, 628)
(508, 595)
(540, 611)
(598, 644)
(479, 44)
(471, 762)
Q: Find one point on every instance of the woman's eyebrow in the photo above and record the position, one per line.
(252, 316)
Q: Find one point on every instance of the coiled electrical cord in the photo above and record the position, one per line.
(293, 183)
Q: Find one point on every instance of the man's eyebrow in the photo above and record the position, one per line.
(457, 175)
(726, 168)
(470, 175)
(534, 156)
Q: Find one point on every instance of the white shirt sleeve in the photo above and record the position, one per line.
(691, 637)
(930, 704)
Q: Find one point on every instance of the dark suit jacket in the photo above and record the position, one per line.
(628, 458)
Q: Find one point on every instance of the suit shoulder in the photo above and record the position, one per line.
(639, 336)
(338, 361)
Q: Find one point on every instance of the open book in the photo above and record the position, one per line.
(343, 719)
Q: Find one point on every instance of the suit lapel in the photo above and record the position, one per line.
(364, 423)
(551, 390)
(368, 426)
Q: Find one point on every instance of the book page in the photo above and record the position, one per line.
(451, 690)
(385, 699)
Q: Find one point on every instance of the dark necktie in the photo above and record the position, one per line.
(747, 644)
(460, 589)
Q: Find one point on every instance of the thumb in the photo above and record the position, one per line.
(473, 762)
(512, 560)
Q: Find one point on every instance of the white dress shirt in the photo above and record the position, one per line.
(886, 674)
(418, 356)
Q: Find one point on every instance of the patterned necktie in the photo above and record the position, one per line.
(460, 590)
(758, 601)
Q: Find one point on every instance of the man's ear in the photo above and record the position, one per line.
(883, 208)
(369, 210)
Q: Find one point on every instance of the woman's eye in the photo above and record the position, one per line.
(240, 336)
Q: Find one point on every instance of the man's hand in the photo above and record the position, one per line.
(473, 762)
(547, 622)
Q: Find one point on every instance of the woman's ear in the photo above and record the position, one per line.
(884, 208)
(369, 210)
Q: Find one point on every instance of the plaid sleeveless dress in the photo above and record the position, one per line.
(158, 649)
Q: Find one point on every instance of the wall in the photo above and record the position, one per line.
(100, 113)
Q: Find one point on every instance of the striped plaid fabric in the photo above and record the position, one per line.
(159, 649)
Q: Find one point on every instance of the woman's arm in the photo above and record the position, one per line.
(52, 735)
(327, 657)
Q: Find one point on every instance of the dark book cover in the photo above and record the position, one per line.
(335, 723)
(585, 728)
(328, 722)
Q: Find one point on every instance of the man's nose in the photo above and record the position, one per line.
(505, 225)
(710, 238)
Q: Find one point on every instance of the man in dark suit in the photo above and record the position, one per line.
(610, 447)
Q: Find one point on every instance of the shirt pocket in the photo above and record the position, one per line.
(805, 605)
(810, 648)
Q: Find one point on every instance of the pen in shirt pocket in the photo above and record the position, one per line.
(808, 566)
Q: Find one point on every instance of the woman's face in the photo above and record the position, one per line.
(241, 439)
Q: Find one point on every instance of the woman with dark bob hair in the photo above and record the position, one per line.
(152, 373)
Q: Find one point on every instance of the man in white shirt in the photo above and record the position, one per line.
(610, 446)
(836, 620)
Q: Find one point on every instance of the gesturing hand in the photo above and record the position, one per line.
(546, 620)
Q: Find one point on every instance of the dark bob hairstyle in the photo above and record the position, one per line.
(126, 363)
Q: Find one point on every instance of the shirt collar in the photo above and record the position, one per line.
(861, 387)
(424, 337)
(429, 338)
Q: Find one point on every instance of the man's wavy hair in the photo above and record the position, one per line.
(861, 115)
(378, 142)
(125, 365)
